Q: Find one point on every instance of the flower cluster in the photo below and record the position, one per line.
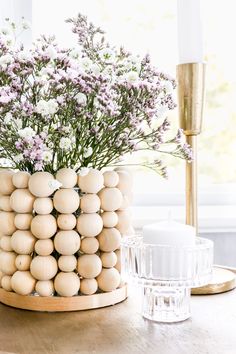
(82, 107)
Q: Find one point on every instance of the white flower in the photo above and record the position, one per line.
(46, 108)
(47, 156)
(24, 55)
(5, 60)
(75, 53)
(54, 126)
(5, 31)
(51, 52)
(55, 184)
(18, 123)
(8, 117)
(81, 98)
(43, 73)
(72, 74)
(25, 24)
(50, 145)
(86, 63)
(27, 132)
(41, 107)
(18, 158)
(131, 77)
(7, 40)
(107, 54)
(96, 103)
(88, 152)
(168, 87)
(95, 69)
(66, 129)
(5, 163)
(84, 171)
(52, 106)
(65, 143)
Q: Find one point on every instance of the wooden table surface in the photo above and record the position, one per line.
(121, 329)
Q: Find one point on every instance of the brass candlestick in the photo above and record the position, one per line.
(191, 93)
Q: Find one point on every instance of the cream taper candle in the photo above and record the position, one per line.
(190, 31)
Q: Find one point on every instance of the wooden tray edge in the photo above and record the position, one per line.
(63, 304)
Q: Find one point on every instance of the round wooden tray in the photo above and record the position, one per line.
(60, 304)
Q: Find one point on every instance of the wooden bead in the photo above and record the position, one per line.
(67, 177)
(22, 201)
(130, 196)
(90, 203)
(125, 203)
(7, 262)
(45, 287)
(44, 226)
(67, 284)
(40, 184)
(1, 276)
(118, 263)
(23, 262)
(43, 206)
(89, 266)
(21, 179)
(6, 283)
(89, 225)
(6, 185)
(108, 259)
(111, 179)
(109, 218)
(125, 181)
(43, 267)
(89, 245)
(109, 239)
(23, 242)
(67, 263)
(66, 201)
(5, 243)
(111, 199)
(66, 221)
(124, 221)
(92, 182)
(88, 286)
(7, 226)
(44, 247)
(23, 221)
(108, 279)
(67, 242)
(5, 203)
(23, 283)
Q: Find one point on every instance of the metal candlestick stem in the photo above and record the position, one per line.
(191, 93)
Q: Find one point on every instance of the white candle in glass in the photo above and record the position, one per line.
(190, 31)
(169, 233)
(165, 256)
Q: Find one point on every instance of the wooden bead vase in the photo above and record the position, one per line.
(60, 238)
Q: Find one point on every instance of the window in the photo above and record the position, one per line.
(150, 25)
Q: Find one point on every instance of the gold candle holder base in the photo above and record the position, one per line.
(191, 93)
(222, 280)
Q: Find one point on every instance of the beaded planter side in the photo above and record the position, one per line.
(60, 247)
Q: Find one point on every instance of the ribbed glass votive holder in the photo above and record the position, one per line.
(166, 275)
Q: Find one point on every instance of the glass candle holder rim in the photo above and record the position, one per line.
(201, 243)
